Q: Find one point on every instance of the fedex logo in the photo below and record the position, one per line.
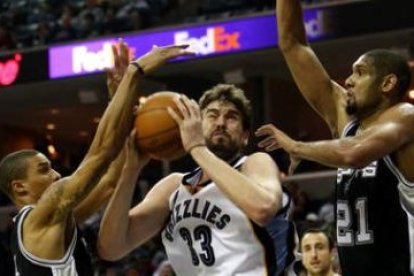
(84, 60)
(315, 26)
(215, 40)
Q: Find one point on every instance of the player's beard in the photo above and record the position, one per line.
(351, 107)
(225, 151)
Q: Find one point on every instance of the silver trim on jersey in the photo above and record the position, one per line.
(397, 173)
(40, 261)
(348, 126)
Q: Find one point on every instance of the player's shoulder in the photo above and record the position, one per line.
(259, 160)
(171, 181)
(259, 156)
(403, 109)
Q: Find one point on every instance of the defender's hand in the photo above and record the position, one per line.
(121, 61)
(160, 55)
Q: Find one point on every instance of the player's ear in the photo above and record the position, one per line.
(389, 82)
(18, 187)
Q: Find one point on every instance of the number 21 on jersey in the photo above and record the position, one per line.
(347, 215)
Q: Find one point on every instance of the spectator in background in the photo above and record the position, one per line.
(318, 253)
(7, 39)
(44, 34)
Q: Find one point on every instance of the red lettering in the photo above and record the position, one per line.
(225, 41)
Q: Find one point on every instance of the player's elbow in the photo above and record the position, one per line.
(266, 211)
(354, 159)
(108, 252)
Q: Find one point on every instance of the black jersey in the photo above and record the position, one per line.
(76, 261)
(375, 233)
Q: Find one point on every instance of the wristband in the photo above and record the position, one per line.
(196, 146)
(139, 68)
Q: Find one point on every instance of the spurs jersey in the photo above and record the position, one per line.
(76, 262)
(207, 234)
(375, 230)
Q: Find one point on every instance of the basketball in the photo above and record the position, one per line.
(158, 134)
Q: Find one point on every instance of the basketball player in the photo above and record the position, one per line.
(46, 237)
(374, 153)
(213, 219)
(318, 253)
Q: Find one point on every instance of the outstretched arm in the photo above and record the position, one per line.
(389, 133)
(102, 192)
(133, 227)
(110, 136)
(104, 189)
(319, 90)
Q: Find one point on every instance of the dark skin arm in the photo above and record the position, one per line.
(390, 132)
(49, 225)
(323, 94)
(104, 189)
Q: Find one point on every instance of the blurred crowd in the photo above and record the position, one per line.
(30, 23)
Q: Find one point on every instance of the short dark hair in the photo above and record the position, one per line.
(388, 62)
(14, 166)
(230, 93)
(331, 243)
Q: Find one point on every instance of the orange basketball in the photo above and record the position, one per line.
(158, 134)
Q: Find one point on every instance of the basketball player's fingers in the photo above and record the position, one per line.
(115, 56)
(273, 147)
(124, 54)
(196, 109)
(264, 130)
(181, 106)
(180, 50)
(294, 163)
(174, 115)
(189, 106)
(266, 142)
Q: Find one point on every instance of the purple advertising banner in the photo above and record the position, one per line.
(232, 36)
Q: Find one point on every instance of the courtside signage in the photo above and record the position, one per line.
(232, 36)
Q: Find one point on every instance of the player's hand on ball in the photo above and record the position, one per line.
(189, 122)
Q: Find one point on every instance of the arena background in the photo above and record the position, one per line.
(58, 114)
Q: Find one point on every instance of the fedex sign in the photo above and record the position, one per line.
(85, 60)
(206, 40)
(216, 40)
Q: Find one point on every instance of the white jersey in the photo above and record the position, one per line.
(207, 234)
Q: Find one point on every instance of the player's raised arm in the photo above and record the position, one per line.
(109, 138)
(310, 76)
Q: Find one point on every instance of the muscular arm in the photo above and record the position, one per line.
(133, 227)
(319, 90)
(102, 192)
(109, 138)
(256, 189)
(391, 131)
(62, 197)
